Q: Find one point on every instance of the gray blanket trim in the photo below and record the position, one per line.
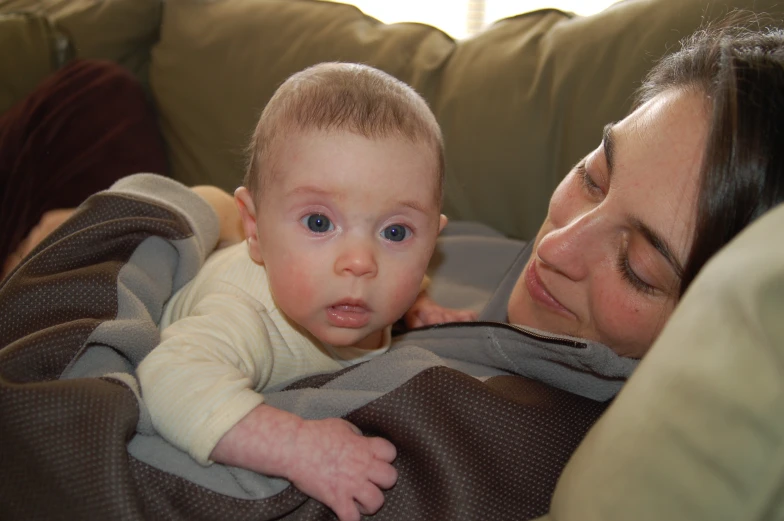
(196, 211)
(479, 350)
(591, 370)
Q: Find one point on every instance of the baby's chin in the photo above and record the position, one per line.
(345, 337)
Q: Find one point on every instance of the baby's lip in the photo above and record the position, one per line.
(351, 303)
(349, 313)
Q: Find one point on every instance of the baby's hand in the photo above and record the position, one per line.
(338, 466)
(426, 311)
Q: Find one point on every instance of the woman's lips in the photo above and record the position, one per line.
(352, 314)
(539, 292)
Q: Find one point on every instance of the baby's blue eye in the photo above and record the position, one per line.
(396, 232)
(318, 223)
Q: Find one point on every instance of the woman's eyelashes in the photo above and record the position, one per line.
(628, 274)
(588, 183)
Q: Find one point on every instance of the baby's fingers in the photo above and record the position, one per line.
(382, 449)
(466, 315)
(382, 474)
(369, 499)
(432, 316)
(345, 508)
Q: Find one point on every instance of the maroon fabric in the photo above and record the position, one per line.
(83, 128)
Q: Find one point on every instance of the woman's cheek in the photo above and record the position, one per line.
(624, 318)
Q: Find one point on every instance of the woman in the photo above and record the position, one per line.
(696, 161)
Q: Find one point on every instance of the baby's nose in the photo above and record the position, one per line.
(357, 258)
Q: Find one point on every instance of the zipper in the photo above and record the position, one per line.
(568, 342)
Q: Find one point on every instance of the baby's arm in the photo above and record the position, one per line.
(328, 460)
(199, 384)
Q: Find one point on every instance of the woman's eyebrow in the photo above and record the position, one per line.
(658, 242)
(608, 143)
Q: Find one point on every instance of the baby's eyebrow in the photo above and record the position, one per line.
(310, 189)
(317, 190)
(416, 205)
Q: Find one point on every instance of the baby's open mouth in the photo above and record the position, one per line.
(349, 313)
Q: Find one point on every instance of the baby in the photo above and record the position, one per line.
(341, 209)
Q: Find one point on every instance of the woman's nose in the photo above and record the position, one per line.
(357, 257)
(571, 249)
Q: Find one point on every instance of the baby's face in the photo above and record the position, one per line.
(346, 227)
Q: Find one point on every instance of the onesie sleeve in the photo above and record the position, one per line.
(201, 379)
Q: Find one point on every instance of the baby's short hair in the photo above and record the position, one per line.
(344, 97)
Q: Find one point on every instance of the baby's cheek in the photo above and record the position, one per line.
(403, 294)
(293, 283)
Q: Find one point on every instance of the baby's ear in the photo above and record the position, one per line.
(247, 209)
(442, 223)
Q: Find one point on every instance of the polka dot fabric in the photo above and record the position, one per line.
(66, 440)
(470, 450)
(467, 450)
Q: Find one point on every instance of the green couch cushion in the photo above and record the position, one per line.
(218, 63)
(119, 30)
(697, 433)
(28, 54)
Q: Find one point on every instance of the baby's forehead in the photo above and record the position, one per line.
(313, 171)
(275, 158)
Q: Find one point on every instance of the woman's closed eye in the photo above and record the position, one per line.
(588, 182)
(625, 269)
(317, 223)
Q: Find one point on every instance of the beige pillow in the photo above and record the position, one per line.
(28, 46)
(697, 434)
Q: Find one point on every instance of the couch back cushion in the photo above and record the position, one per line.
(27, 55)
(519, 104)
(122, 31)
(218, 63)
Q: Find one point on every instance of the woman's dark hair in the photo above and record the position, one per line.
(741, 71)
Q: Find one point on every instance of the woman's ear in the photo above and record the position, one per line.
(442, 223)
(247, 209)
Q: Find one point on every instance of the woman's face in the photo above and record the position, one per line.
(606, 262)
